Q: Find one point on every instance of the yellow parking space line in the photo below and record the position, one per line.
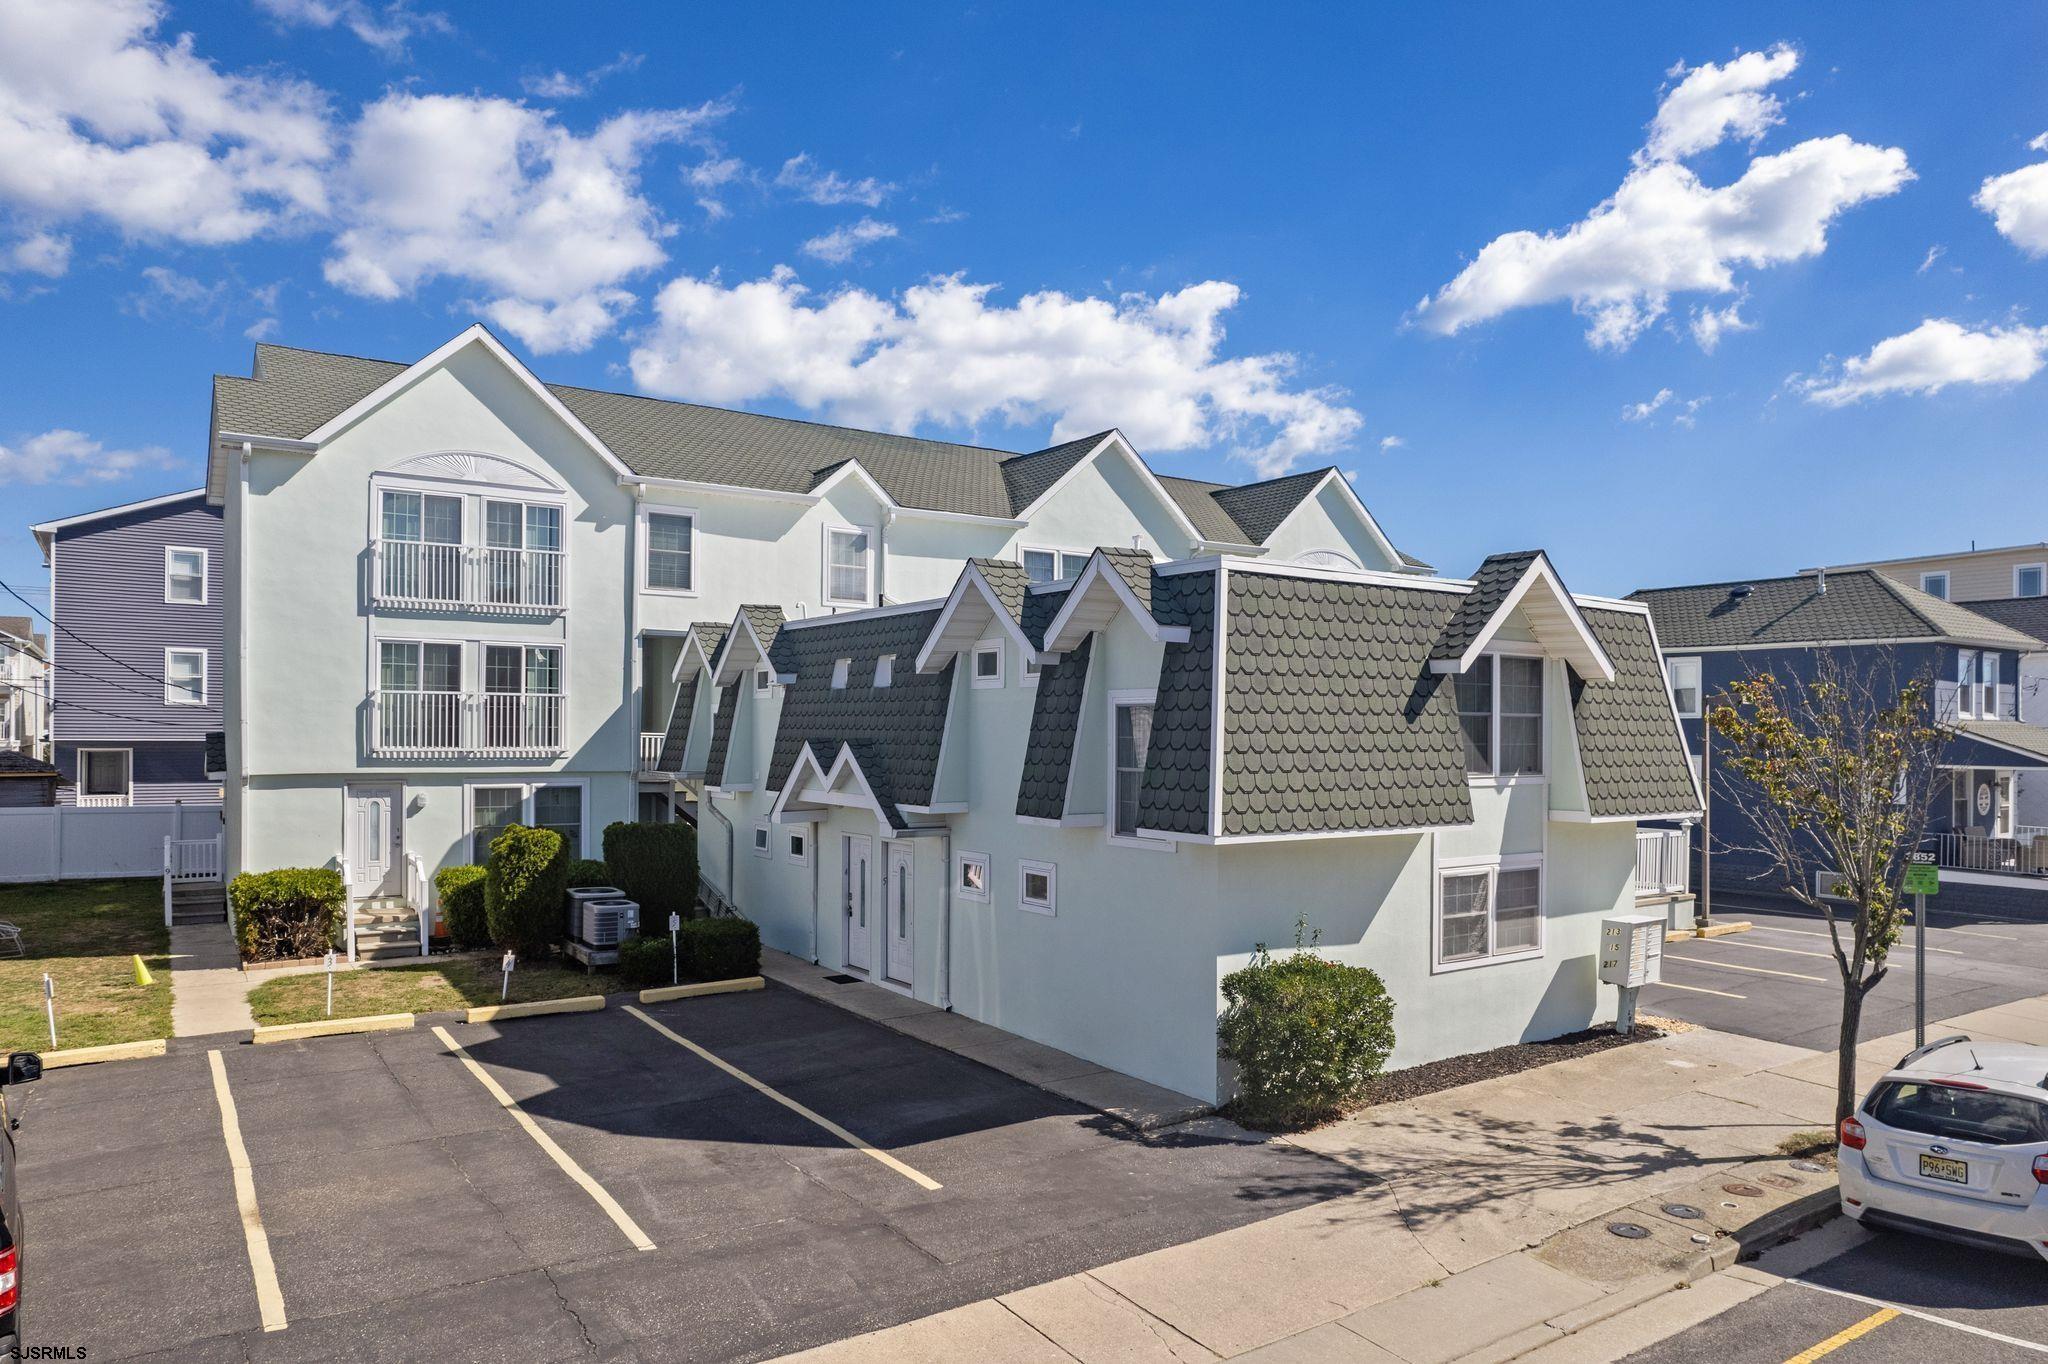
(1814, 933)
(918, 1178)
(1737, 966)
(269, 1297)
(1699, 990)
(597, 1191)
(1844, 1336)
(1930, 1318)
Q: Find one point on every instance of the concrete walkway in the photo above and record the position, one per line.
(209, 992)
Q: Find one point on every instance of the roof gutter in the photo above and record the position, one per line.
(238, 440)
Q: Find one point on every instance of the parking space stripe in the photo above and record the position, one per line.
(547, 1143)
(923, 1181)
(269, 1297)
(1699, 990)
(1813, 933)
(1766, 947)
(1844, 1336)
(1736, 966)
(2034, 1345)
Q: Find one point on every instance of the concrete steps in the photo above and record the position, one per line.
(198, 902)
(387, 928)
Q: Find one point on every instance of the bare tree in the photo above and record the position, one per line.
(1835, 774)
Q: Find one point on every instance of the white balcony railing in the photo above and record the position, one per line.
(2024, 854)
(1663, 861)
(419, 576)
(86, 802)
(426, 724)
(650, 751)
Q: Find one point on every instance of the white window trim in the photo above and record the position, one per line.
(127, 796)
(790, 834)
(885, 670)
(1496, 778)
(179, 699)
(1699, 687)
(1139, 696)
(1059, 560)
(960, 890)
(1926, 578)
(1967, 683)
(2017, 569)
(762, 682)
(827, 531)
(1051, 872)
(841, 667)
(645, 542)
(1492, 866)
(205, 562)
(974, 677)
(526, 786)
(764, 839)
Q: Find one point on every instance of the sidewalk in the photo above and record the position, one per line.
(209, 993)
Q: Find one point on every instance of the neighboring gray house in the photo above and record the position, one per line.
(26, 780)
(136, 668)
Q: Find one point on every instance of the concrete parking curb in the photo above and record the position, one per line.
(112, 1051)
(702, 987)
(330, 1027)
(575, 1004)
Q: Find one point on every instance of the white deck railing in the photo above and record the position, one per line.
(348, 908)
(420, 896)
(418, 724)
(417, 575)
(189, 860)
(1663, 861)
(650, 751)
(2024, 854)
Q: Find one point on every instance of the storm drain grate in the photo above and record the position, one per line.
(842, 980)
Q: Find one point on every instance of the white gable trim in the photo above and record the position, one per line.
(1066, 633)
(724, 675)
(692, 645)
(826, 790)
(1580, 647)
(1358, 508)
(1116, 440)
(935, 653)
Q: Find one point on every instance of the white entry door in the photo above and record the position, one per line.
(900, 910)
(855, 851)
(375, 841)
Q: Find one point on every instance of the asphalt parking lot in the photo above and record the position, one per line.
(757, 1174)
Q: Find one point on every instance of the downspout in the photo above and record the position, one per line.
(241, 775)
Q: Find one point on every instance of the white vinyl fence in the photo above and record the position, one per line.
(69, 843)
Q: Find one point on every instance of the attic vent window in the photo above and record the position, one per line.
(885, 670)
(839, 669)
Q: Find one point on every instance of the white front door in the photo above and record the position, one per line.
(375, 842)
(855, 851)
(900, 910)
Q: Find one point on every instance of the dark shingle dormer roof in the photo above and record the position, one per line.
(1197, 500)
(216, 752)
(1008, 581)
(721, 734)
(1629, 745)
(1859, 604)
(1491, 585)
(1049, 747)
(678, 736)
(1259, 508)
(1039, 609)
(1026, 478)
(1174, 794)
(1134, 566)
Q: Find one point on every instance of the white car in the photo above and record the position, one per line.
(1953, 1142)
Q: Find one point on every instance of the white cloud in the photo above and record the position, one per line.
(101, 118)
(1929, 358)
(262, 329)
(40, 253)
(710, 177)
(387, 29)
(1664, 231)
(942, 353)
(1710, 324)
(1635, 412)
(168, 291)
(839, 245)
(1688, 415)
(491, 193)
(1392, 442)
(807, 180)
(1934, 253)
(62, 456)
(562, 85)
(2018, 203)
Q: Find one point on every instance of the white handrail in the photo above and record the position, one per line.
(1663, 860)
(348, 909)
(167, 881)
(419, 894)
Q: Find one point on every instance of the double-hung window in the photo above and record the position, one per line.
(1684, 677)
(184, 575)
(1132, 737)
(560, 808)
(1489, 911)
(671, 552)
(184, 677)
(522, 553)
(522, 696)
(557, 806)
(492, 810)
(849, 563)
(419, 701)
(1500, 713)
(1053, 565)
(1973, 698)
(421, 558)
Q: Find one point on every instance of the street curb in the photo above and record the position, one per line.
(737, 984)
(1802, 1214)
(575, 1004)
(330, 1027)
(112, 1051)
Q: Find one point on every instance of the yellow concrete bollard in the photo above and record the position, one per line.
(142, 976)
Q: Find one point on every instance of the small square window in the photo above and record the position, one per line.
(885, 670)
(2030, 580)
(1935, 584)
(988, 664)
(760, 679)
(1037, 887)
(760, 840)
(796, 846)
(970, 876)
(839, 670)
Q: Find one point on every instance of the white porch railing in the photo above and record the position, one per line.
(650, 751)
(419, 895)
(86, 802)
(413, 724)
(1663, 861)
(417, 575)
(189, 860)
(348, 908)
(2024, 854)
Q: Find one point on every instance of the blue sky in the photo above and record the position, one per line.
(1006, 222)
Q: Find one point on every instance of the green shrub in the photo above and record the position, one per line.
(720, 949)
(461, 893)
(588, 871)
(525, 885)
(644, 962)
(656, 866)
(292, 912)
(1308, 1035)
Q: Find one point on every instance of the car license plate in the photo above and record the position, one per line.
(1938, 1167)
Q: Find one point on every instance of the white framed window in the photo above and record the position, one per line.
(184, 575)
(796, 846)
(1684, 676)
(1973, 699)
(885, 670)
(1130, 738)
(970, 876)
(1038, 887)
(184, 677)
(840, 667)
(106, 776)
(2030, 580)
(1935, 584)
(1052, 565)
(988, 664)
(559, 806)
(668, 556)
(761, 840)
(1488, 910)
(849, 566)
(558, 803)
(762, 678)
(1500, 711)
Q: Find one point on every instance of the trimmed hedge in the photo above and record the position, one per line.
(588, 871)
(525, 883)
(461, 893)
(656, 866)
(1308, 1035)
(291, 912)
(720, 949)
(644, 962)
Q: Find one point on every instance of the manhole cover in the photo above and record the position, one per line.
(1683, 1211)
(843, 980)
(1810, 1166)
(1743, 1190)
(1630, 1230)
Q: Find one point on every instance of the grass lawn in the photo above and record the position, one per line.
(428, 988)
(83, 933)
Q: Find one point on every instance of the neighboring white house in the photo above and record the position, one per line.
(1070, 809)
(24, 688)
(459, 597)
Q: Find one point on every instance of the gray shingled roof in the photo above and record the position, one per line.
(1026, 478)
(766, 623)
(1859, 604)
(14, 763)
(2028, 615)
(1197, 500)
(1496, 577)
(216, 751)
(1008, 580)
(1259, 508)
(1049, 747)
(2007, 734)
(1174, 795)
(678, 736)
(721, 734)
(1134, 566)
(1040, 608)
(1629, 744)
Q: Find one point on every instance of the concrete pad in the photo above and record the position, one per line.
(983, 1331)
(209, 992)
(1093, 1323)
(1033, 1062)
(1729, 1049)
(1330, 1344)
(698, 989)
(112, 1051)
(1800, 1100)
(534, 1008)
(1452, 1319)
(941, 1029)
(1589, 1251)
(1143, 1105)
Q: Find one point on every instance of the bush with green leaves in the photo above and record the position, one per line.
(1307, 1035)
(460, 891)
(720, 949)
(656, 866)
(291, 912)
(644, 962)
(525, 883)
(588, 871)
